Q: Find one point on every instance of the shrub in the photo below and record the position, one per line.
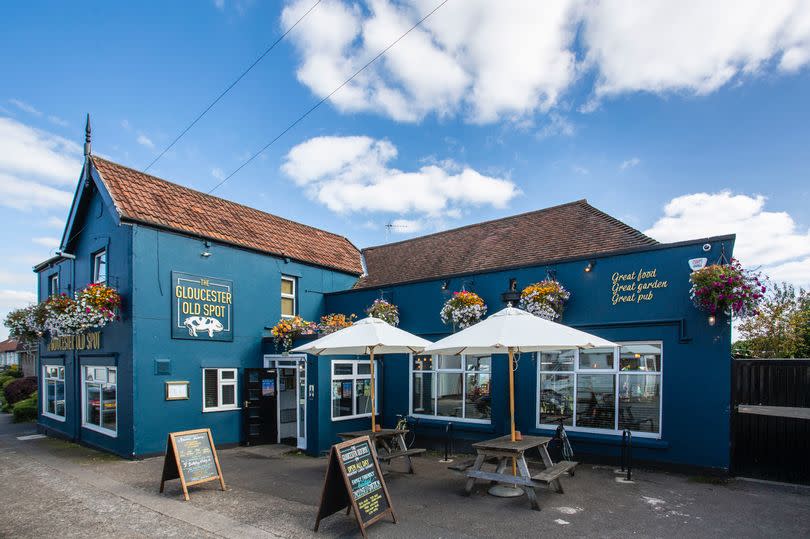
(14, 371)
(26, 409)
(20, 389)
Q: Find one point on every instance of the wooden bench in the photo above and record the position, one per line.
(386, 457)
(554, 472)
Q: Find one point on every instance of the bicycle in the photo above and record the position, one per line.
(404, 423)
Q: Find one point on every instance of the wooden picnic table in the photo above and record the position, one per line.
(504, 449)
(390, 444)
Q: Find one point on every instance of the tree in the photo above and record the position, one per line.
(779, 328)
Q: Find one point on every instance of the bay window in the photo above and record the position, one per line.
(602, 389)
(100, 401)
(457, 387)
(53, 387)
(351, 388)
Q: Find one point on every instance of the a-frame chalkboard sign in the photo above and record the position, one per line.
(191, 457)
(355, 482)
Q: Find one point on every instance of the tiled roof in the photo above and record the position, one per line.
(146, 199)
(571, 230)
(9, 345)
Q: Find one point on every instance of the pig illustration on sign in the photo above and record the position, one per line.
(202, 323)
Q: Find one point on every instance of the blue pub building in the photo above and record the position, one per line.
(203, 279)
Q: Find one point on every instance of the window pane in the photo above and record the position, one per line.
(228, 395)
(100, 374)
(423, 393)
(449, 362)
(342, 391)
(287, 306)
(479, 363)
(478, 405)
(342, 368)
(422, 363)
(109, 407)
(286, 286)
(639, 402)
(210, 388)
(640, 357)
(363, 397)
(100, 269)
(61, 373)
(50, 397)
(364, 367)
(557, 399)
(59, 405)
(558, 360)
(93, 400)
(228, 374)
(596, 401)
(111, 376)
(448, 391)
(598, 358)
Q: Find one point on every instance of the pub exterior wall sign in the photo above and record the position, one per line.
(84, 341)
(636, 286)
(202, 307)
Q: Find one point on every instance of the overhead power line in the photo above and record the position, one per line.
(228, 89)
(322, 101)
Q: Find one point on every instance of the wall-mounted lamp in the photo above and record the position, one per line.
(590, 266)
(712, 320)
(206, 253)
(445, 285)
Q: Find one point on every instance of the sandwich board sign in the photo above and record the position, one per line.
(192, 458)
(355, 482)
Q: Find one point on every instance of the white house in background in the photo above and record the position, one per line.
(10, 353)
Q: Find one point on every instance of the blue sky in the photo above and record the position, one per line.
(682, 120)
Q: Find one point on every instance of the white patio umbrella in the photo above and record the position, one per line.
(513, 330)
(368, 336)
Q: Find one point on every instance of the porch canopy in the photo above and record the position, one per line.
(368, 336)
(514, 330)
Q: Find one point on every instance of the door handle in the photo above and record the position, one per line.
(247, 403)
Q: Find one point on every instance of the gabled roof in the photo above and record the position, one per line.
(9, 345)
(573, 230)
(142, 198)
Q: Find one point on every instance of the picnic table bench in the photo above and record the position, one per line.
(390, 444)
(504, 449)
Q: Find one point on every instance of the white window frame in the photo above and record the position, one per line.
(436, 371)
(53, 290)
(85, 382)
(354, 377)
(45, 380)
(96, 256)
(220, 384)
(616, 372)
(290, 296)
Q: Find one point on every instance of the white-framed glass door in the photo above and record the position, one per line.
(291, 396)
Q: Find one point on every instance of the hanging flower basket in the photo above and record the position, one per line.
(94, 307)
(463, 310)
(545, 299)
(387, 312)
(726, 288)
(333, 322)
(288, 329)
(26, 324)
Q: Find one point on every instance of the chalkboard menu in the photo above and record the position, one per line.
(191, 457)
(354, 480)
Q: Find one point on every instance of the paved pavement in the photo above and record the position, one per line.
(51, 487)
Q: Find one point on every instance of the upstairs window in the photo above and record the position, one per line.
(53, 285)
(100, 267)
(287, 296)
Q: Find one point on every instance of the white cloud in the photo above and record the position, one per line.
(25, 107)
(55, 222)
(352, 174)
(51, 243)
(579, 169)
(557, 125)
(143, 140)
(630, 163)
(768, 239)
(219, 4)
(30, 195)
(218, 173)
(406, 226)
(125, 124)
(489, 61)
(35, 154)
(56, 120)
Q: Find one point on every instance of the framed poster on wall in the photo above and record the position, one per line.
(202, 307)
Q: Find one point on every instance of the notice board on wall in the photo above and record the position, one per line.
(354, 481)
(192, 458)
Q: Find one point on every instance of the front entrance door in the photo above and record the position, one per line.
(260, 413)
(292, 397)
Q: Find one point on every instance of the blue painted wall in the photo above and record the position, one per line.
(256, 305)
(696, 356)
(99, 230)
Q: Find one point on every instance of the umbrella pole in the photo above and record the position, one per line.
(512, 401)
(373, 411)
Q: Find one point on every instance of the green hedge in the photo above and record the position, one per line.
(25, 410)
